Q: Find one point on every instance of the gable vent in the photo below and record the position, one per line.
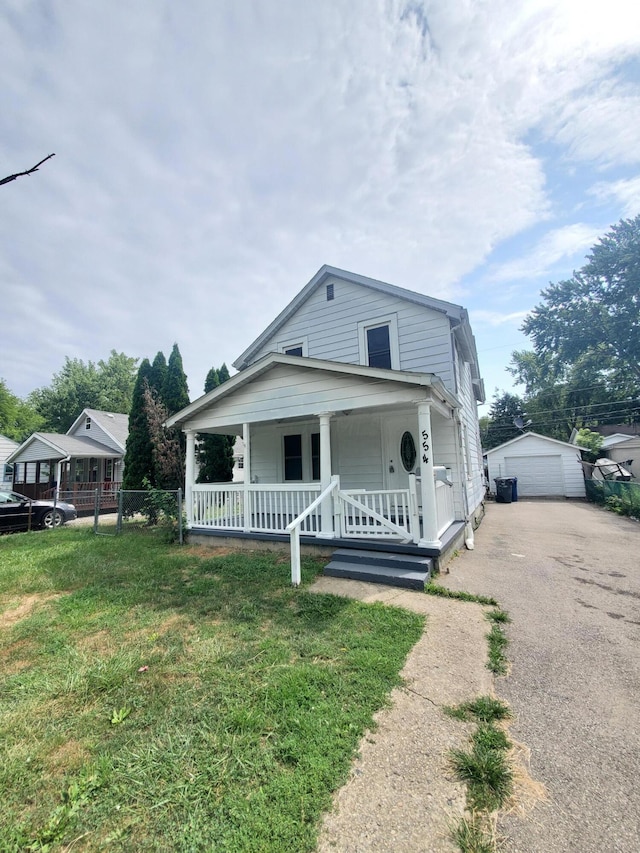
(329, 292)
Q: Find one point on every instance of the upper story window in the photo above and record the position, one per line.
(87, 423)
(378, 341)
(296, 346)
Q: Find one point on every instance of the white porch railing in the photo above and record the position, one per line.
(253, 508)
(357, 513)
(385, 513)
(293, 529)
(445, 512)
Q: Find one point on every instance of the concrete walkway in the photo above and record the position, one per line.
(401, 795)
(569, 575)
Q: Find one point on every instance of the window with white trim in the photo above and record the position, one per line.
(299, 346)
(378, 340)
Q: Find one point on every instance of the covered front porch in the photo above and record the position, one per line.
(333, 452)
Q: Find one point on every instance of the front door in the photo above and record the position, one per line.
(401, 449)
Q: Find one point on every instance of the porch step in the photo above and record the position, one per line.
(403, 570)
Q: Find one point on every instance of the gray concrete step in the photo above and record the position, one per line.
(403, 570)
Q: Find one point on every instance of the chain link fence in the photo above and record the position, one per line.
(622, 498)
(153, 510)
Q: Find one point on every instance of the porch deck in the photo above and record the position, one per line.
(452, 538)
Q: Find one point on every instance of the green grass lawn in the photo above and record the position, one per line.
(163, 698)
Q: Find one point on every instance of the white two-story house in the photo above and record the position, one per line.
(357, 406)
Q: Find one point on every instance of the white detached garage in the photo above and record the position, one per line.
(545, 467)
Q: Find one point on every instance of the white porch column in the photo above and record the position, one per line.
(427, 483)
(246, 498)
(190, 474)
(327, 529)
(59, 477)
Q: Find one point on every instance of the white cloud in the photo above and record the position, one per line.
(561, 244)
(480, 317)
(625, 192)
(210, 158)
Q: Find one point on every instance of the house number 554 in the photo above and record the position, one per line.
(425, 446)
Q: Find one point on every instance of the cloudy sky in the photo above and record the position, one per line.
(211, 156)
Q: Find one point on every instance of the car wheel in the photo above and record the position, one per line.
(52, 518)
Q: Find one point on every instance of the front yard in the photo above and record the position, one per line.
(165, 698)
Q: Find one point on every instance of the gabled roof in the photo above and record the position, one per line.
(62, 446)
(269, 361)
(455, 312)
(535, 435)
(114, 424)
(7, 445)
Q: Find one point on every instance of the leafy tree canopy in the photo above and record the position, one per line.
(18, 419)
(505, 410)
(597, 311)
(107, 385)
(591, 442)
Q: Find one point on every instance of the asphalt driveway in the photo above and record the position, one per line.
(569, 575)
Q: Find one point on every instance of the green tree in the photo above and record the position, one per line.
(505, 410)
(138, 459)
(168, 460)
(158, 376)
(597, 311)
(215, 452)
(18, 419)
(590, 442)
(107, 386)
(116, 378)
(175, 391)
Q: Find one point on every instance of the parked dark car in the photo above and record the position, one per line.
(18, 512)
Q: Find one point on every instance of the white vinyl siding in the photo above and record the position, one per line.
(96, 433)
(267, 450)
(331, 328)
(359, 452)
(470, 435)
(625, 451)
(294, 392)
(38, 450)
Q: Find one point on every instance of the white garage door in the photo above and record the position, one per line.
(538, 476)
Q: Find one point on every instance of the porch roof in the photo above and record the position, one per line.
(42, 446)
(288, 387)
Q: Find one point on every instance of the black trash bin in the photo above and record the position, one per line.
(504, 490)
(514, 488)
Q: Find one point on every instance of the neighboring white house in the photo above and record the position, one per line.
(362, 394)
(624, 449)
(545, 467)
(7, 446)
(87, 457)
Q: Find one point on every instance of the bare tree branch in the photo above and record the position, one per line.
(28, 172)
